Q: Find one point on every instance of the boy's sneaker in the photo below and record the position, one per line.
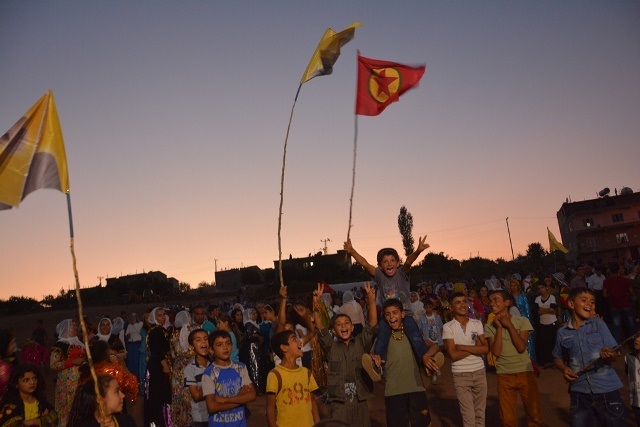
(369, 365)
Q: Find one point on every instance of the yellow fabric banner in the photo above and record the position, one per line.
(328, 51)
(32, 154)
(554, 245)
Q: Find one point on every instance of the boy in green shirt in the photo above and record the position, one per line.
(507, 337)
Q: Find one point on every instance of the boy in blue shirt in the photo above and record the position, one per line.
(596, 392)
(226, 385)
(393, 283)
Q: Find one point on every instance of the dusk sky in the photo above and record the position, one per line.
(174, 116)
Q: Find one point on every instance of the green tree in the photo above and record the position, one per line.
(405, 224)
(184, 287)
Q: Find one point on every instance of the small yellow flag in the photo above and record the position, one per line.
(554, 245)
(32, 154)
(328, 51)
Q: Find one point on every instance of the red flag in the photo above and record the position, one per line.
(381, 82)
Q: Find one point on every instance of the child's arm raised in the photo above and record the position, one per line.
(422, 246)
(348, 247)
(282, 310)
(317, 306)
(372, 313)
(304, 315)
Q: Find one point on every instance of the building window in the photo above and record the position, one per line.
(617, 217)
(592, 242)
(622, 238)
(587, 222)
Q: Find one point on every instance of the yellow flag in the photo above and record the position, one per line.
(328, 51)
(32, 154)
(554, 245)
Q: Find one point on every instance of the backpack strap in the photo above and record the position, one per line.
(279, 379)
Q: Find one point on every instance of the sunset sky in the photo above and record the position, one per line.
(174, 116)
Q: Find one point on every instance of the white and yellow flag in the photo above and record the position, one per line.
(32, 154)
(328, 51)
(554, 245)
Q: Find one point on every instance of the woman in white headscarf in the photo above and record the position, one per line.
(417, 307)
(180, 353)
(110, 333)
(157, 408)
(352, 309)
(66, 356)
(251, 350)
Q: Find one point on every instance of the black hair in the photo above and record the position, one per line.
(6, 336)
(193, 333)
(217, 334)
(84, 402)
(281, 338)
(13, 395)
(198, 306)
(392, 302)
(505, 296)
(580, 290)
(387, 251)
(456, 295)
(211, 308)
(334, 318)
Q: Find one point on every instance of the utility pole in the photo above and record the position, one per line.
(513, 258)
(216, 268)
(324, 248)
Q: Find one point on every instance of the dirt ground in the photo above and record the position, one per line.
(554, 397)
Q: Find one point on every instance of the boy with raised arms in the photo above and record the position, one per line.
(393, 283)
(348, 385)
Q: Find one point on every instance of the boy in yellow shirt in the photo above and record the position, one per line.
(290, 400)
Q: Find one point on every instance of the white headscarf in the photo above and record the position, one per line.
(183, 322)
(106, 337)
(63, 329)
(152, 316)
(417, 307)
(246, 318)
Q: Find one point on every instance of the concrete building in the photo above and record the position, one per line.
(603, 229)
(154, 280)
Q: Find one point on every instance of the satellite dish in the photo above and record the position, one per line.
(605, 191)
(625, 191)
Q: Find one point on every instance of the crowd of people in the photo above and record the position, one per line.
(200, 366)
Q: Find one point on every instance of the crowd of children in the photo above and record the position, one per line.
(201, 366)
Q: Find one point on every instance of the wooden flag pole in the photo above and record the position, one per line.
(353, 177)
(586, 367)
(85, 335)
(284, 159)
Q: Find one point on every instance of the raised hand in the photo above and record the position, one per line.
(317, 295)
(348, 247)
(283, 291)
(369, 290)
(422, 244)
